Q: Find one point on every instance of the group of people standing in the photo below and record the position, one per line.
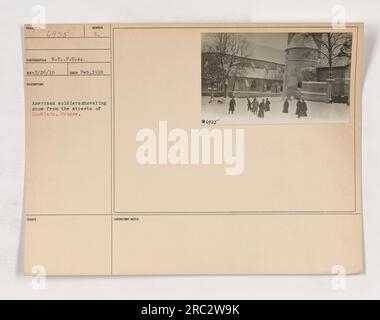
(301, 107)
(259, 108)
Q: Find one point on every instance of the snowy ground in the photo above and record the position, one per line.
(318, 112)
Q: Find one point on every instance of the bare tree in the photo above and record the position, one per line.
(226, 58)
(332, 46)
(211, 71)
(346, 50)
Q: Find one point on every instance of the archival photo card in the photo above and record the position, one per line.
(253, 78)
(122, 177)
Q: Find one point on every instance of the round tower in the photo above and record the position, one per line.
(302, 52)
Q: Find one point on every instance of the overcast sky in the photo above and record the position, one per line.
(262, 46)
(273, 40)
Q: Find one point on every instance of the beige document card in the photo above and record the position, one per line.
(193, 149)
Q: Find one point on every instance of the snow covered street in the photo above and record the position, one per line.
(318, 112)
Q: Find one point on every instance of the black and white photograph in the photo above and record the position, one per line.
(253, 78)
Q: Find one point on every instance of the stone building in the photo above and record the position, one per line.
(302, 52)
(297, 69)
(341, 73)
(259, 77)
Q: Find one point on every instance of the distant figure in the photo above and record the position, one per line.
(261, 109)
(298, 108)
(267, 105)
(232, 106)
(255, 105)
(285, 109)
(249, 104)
(303, 108)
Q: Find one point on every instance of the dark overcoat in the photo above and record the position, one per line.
(261, 110)
(232, 104)
(286, 106)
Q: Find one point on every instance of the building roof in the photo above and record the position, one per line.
(256, 50)
(304, 40)
(264, 53)
(260, 73)
(258, 69)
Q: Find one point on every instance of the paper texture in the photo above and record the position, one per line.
(147, 153)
